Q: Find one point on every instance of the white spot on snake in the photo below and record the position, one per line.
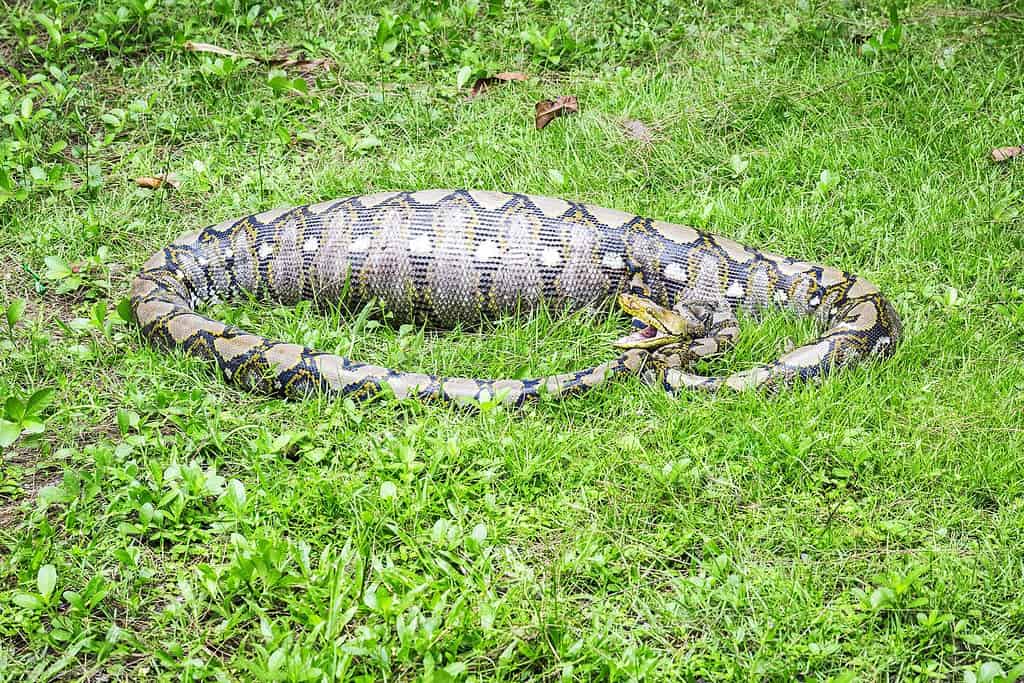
(551, 257)
(310, 245)
(487, 251)
(780, 296)
(613, 261)
(815, 300)
(360, 244)
(735, 290)
(265, 250)
(228, 253)
(674, 271)
(420, 245)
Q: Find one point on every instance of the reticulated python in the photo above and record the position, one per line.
(455, 256)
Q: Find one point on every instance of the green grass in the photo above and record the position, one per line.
(165, 525)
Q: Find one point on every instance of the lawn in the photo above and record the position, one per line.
(156, 522)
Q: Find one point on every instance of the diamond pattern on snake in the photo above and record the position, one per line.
(457, 257)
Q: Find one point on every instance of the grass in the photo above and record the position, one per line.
(157, 523)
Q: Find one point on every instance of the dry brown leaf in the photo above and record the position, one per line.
(548, 110)
(193, 46)
(638, 130)
(482, 84)
(1001, 154)
(153, 182)
(511, 76)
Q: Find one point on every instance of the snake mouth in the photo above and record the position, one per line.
(663, 326)
(648, 338)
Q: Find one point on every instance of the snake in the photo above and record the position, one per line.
(448, 258)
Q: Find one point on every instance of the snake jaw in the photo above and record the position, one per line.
(663, 326)
(648, 338)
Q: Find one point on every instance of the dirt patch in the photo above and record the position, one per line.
(6, 57)
(11, 512)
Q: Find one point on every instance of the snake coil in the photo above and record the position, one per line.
(460, 256)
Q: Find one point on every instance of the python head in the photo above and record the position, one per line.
(662, 327)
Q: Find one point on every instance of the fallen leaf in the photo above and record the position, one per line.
(738, 165)
(193, 46)
(482, 84)
(511, 76)
(1001, 154)
(638, 130)
(548, 110)
(462, 77)
(153, 182)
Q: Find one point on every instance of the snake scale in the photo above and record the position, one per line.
(445, 257)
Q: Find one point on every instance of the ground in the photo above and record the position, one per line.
(157, 523)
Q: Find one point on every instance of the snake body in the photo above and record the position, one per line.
(447, 257)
